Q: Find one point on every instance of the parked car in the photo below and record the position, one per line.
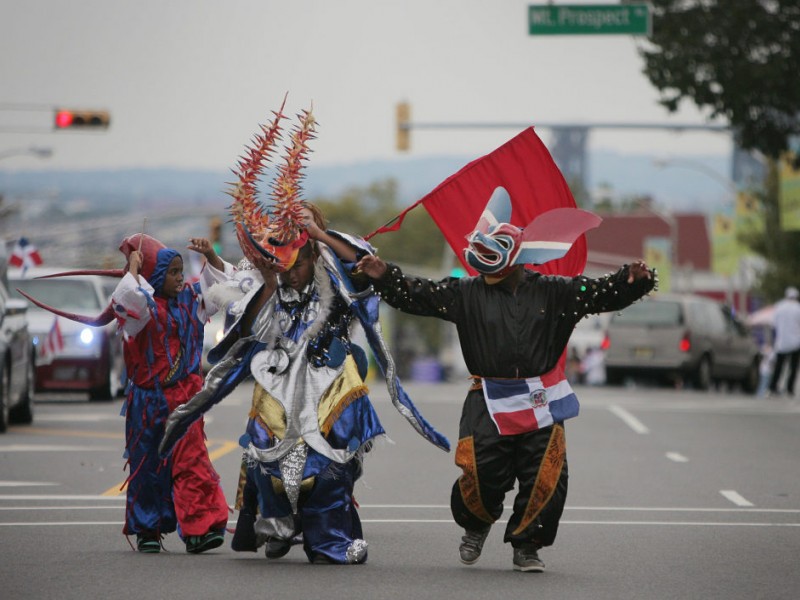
(681, 338)
(91, 358)
(16, 360)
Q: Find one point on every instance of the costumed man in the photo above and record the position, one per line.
(292, 308)
(513, 326)
(162, 320)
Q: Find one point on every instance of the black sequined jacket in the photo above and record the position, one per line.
(506, 333)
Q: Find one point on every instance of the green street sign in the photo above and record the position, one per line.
(589, 19)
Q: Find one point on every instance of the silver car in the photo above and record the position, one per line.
(681, 339)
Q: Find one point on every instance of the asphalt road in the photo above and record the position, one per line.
(672, 495)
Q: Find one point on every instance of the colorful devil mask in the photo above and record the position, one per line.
(277, 233)
(496, 246)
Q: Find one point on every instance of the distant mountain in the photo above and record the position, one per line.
(104, 191)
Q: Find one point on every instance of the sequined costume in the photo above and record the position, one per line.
(510, 337)
(163, 340)
(311, 420)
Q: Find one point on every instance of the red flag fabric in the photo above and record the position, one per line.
(524, 167)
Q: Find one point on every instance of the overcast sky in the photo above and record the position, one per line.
(188, 81)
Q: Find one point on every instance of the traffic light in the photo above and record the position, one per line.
(66, 118)
(403, 126)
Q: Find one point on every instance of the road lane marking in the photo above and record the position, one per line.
(26, 483)
(629, 419)
(677, 457)
(449, 522)
(75, 433)
(53, 448)
(736, 498)
(76, 418)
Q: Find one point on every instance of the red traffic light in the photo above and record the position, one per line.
(63, 118)
(66, 119)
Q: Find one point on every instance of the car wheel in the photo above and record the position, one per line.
(4, 399)
(702, 375)
(750, 381)
(23, 412)
(107, 391)
(613, 377)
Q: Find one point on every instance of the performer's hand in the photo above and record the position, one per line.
(206, 248)
(268, 270)
(638, 270)
(135, 262)
(371, 266)
(314, 231)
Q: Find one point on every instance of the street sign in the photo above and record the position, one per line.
(589, 19)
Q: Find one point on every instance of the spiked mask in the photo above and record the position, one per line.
(277, 232)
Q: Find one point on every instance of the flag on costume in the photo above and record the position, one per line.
(24, 255)
(523, 405)
(52, 344)
(524, 167)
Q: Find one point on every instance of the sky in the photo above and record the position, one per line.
(187, 82)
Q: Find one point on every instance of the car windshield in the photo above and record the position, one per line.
(650, 314)
(59, 293)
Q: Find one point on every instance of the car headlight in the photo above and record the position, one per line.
(86, 336)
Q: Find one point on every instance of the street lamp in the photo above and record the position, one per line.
(32, 150)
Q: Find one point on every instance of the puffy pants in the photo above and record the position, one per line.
(491, 464)
(183, 490)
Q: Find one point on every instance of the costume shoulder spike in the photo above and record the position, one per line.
(276, 231)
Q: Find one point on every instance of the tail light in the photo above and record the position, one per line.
(606, 343)
(685, 344)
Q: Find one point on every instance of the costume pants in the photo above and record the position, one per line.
(183, 489)
(326, 514)
(793, 359)
(491, 464)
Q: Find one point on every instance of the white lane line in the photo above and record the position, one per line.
(629, 419)
(76, 418)
(25, 483)
(677, 457)
(54, 448)
(449, 522)
(736, 498)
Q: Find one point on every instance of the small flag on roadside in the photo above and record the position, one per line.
(24, 255)
(52, 344)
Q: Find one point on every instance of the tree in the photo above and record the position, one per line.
(737, 59)
(780, 249)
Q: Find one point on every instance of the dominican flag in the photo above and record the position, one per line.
(52, 344)
(523, 405)
(24, 255)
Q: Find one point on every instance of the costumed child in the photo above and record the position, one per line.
(162, 318)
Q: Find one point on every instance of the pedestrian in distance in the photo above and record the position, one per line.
(513, 326)
(786, 323)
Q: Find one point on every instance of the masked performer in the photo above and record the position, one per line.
(162, 321)
(292, 309)
(513, 326)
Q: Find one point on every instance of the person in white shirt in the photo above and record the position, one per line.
(786, 322)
